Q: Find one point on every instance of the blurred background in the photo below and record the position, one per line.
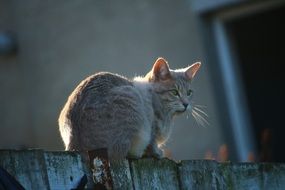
(48, 47)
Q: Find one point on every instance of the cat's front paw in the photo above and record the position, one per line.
(158, 153)
(153, 153)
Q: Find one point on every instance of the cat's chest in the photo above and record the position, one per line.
(162, 129)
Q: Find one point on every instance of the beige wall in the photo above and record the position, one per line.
(62, 42)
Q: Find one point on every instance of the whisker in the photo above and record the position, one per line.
(204, 120)
(200, 106)
(196, 121)
(201, 111)
(197, 118)
(187, 115)
(201, 118)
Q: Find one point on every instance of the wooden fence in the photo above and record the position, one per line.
(38, 169)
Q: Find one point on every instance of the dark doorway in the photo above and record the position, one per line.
(259, 43)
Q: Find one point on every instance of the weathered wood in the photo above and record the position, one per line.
(273, 175)
(100, 166)
(198, 174)
(121, 175)
(154, 174)
(253, 176)
(64, 169)
(28, 167)
(202, 174)
(241, 176)
(35, 169)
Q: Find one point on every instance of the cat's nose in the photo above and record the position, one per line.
(185, 105)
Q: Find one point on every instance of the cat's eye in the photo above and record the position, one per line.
(175, 92)
(189, 92)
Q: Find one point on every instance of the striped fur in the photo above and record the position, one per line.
(128, 117)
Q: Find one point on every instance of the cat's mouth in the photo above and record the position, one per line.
(181, 111)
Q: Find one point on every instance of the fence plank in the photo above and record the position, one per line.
(6, 162)
(253, 176)
(120, 171)
(28, 167)
(154, 174)
(64, 169)
(199, 174)
(273, 175)
(35, 169)
(241, 176)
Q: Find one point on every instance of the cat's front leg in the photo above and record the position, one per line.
(152, 150)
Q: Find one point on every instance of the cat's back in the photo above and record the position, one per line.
(92, 90)
(104, 81)
(106, 110)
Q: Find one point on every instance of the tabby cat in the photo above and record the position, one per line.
(131, 118)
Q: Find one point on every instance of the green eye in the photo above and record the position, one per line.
(175, 92)
(189, 92)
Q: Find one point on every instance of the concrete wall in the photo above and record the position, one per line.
(60, 43)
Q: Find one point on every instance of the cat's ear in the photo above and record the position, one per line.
(160, 70)
(192, 70)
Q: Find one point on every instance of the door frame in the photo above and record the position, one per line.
(222, 56)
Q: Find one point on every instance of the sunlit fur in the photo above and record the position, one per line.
(128, 117)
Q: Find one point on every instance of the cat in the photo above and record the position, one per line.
(131, 118)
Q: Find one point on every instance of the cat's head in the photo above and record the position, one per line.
(173, 86)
